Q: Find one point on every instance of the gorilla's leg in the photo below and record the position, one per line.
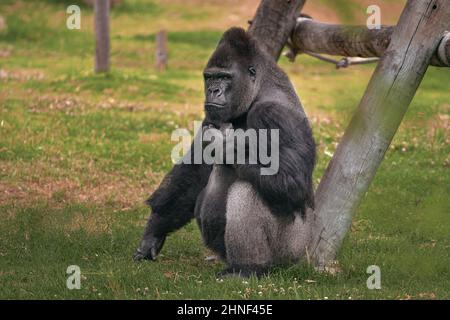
(212, 226)
(255, 238)
(210, 208)
(248, 234)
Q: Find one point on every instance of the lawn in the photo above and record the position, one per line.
(80, 152)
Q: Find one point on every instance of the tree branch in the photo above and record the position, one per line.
(352, 41)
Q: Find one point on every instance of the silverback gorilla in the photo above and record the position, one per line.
(251, 221)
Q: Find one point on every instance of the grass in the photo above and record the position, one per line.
(79, 153)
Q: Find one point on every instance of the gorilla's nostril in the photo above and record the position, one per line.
(215, 92)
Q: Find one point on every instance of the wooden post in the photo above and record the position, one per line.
(274, 22)
(161, 50)
(101, 10)
(390, 91)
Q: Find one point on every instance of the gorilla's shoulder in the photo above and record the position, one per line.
(274, 114)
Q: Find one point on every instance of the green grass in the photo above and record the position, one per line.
(79, 153)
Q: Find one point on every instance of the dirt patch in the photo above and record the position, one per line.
(239, 11)
(71, 104)
(178, 109)
(5, 51)
(92, 224)
(233, 13)
(36, 183)
(21, 75)
(48, 103)
(110, 193)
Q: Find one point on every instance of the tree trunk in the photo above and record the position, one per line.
(274, 22)
(390, 91)
(353, 41)
(101, 10)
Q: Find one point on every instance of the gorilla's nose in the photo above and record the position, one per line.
(215, 92)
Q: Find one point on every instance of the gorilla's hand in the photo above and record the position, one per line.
(224, 127)
(149, 248)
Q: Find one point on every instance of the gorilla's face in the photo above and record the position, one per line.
(229, 91)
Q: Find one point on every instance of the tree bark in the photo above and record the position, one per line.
(389, 93)
(101, 12)
(274, 22)
(353, 41)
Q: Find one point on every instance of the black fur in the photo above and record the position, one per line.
(291, 189)
(173, 205)
(210, 210)
(259, 95)
(235, 46)
(275, 106)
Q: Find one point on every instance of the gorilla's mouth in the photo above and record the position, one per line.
(217, 112)
(213, 105)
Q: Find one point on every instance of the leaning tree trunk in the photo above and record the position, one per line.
(390, 91)
(274, 22)
(101, 13)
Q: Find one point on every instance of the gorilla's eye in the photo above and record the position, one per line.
(252, 71)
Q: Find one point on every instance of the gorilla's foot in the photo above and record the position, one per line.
(149, 248)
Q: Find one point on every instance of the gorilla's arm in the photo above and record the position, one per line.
(173, 205)
(291, 189)
(173, 202)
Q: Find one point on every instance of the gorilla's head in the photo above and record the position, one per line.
(232, 76)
